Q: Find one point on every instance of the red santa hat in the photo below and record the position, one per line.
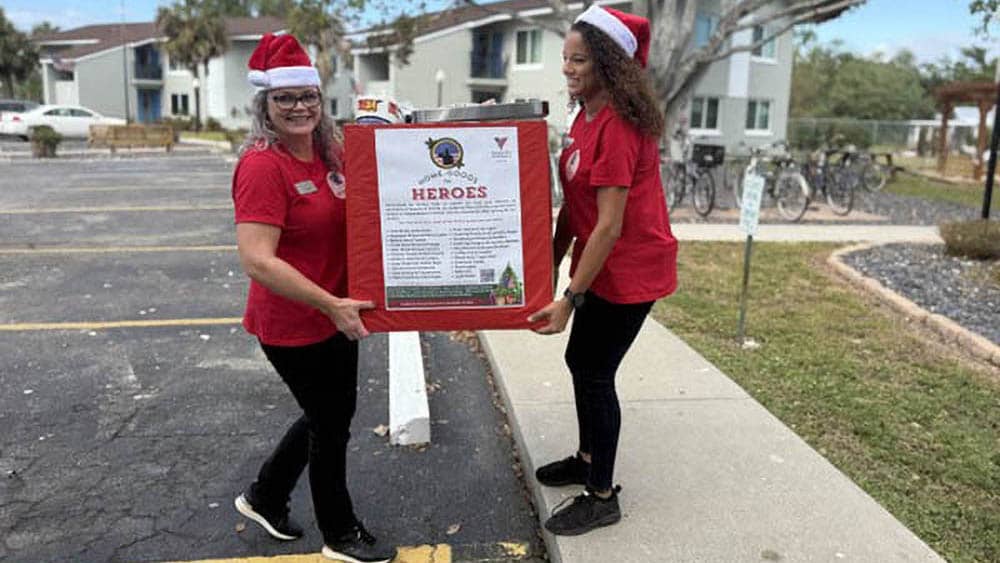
(280, 62)
(629, 31)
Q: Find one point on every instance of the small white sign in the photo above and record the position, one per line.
(753, 189)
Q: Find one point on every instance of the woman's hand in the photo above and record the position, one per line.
(556, 313)
(346, 314)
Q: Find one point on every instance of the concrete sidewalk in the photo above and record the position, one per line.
(708, 474)
(804, 233)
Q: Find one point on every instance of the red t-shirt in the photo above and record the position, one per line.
(608, 151)
(273, 187)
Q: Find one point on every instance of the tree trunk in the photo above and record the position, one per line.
(9, 85)
(197, 108)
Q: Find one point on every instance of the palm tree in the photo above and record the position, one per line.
(196, 32)
(18, 57)
(313, 23)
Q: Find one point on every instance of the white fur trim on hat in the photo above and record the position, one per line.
(284, 77)
(612, 26)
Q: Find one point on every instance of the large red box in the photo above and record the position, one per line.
(397, 308)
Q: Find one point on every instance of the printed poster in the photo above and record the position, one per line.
(450, 218)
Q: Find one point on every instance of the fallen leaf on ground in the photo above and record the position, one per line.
(453, 529)
(381, 430)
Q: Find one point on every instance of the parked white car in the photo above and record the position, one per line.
(68, 121)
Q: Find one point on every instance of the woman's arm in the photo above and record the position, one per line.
(560, 244)
(257, 244)
(610, 215)
(562, 239)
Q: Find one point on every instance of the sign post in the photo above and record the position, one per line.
(753, 189)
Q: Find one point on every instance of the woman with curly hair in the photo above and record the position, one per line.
(291, 237)
(624, 255)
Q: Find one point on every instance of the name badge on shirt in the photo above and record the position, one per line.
(306, 187)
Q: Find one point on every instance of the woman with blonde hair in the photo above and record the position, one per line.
(288, 192)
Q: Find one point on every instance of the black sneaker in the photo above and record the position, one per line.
(358, 546)
(587, 512)
(277, 523)
(570, 471)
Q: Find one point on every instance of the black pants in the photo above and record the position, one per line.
(601, 335)
(323, 377)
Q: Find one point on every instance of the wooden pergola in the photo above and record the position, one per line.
(984, 96)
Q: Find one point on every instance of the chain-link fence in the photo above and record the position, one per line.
(920, 137)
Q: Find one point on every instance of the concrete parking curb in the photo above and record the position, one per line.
(948, 329)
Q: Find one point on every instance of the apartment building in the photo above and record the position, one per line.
(475, 53)
(97, 66)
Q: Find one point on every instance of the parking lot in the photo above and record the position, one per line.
(135, 408)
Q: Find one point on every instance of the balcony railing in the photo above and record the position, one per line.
(488, 65)
(148, 72)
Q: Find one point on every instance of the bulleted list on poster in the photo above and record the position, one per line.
(451, 219)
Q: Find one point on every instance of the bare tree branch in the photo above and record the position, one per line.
(799, 18)
(809, 10)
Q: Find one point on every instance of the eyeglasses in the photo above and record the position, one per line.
(287, 101)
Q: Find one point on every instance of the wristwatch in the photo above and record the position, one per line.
(575, 299)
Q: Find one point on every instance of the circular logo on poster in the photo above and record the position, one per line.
(446, 153)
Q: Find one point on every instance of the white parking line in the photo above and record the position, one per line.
(115, 209)
(99, 325)
(113, 249)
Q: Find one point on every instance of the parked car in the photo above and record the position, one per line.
(68, 121)
(17, 106)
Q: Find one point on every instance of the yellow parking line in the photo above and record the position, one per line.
(113, 249)
(99, 325)
(113, 209)
(440, 553)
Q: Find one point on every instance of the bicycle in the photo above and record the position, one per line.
(783, 182)
(835, 181)
(873, 175)
(694, 170)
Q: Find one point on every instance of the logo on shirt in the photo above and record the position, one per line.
(572, 163)
(446, 153)
(337, 185)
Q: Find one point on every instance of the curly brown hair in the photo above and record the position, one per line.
(627, 83)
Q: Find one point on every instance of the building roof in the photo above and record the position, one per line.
(91, 39)
(436, 21)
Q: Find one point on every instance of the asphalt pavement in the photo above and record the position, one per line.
(135, 408)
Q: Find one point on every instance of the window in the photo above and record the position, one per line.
(64, 75)
(480, 96)
(758, 115)
(333, 107)
(58, 112)
(704, 27)
(179, 104)
(174, 65)
(375, 66)
(80, 113)
(529, 47)
(765, 51)
(705, 113)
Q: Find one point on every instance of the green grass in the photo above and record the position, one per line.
(205, 135)
(969, 195)
(915, 428)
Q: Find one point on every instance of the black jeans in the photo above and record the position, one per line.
(601, 335)
(323, 377)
